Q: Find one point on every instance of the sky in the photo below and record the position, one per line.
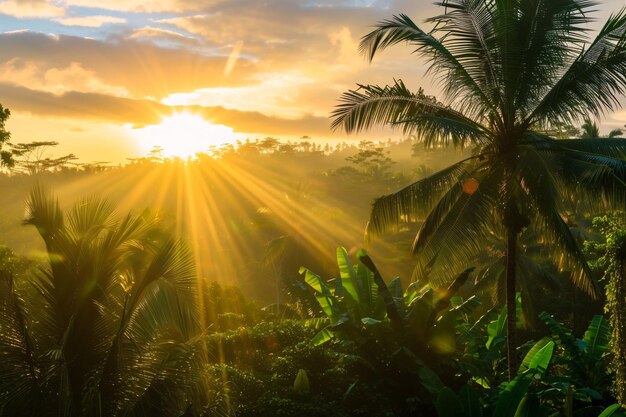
(110, 79)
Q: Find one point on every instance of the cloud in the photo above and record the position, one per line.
(149, 32)
(92, 106)
(142, 68)
(282, 28)
(56, 80)
(23, 9)
(276, 58)
(275, 94)
(145, 6)
(90, 21)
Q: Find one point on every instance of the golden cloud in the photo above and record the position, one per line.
(90, 21)
(23, 9)
(149, 32)
(140, 67)
(92, 106)
(56, 80)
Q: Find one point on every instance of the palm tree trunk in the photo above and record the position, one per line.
(511, 267)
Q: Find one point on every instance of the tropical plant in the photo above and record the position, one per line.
(614, 260)
(590, 130)
(6, 157)
(559, 375)
(614, 410)
(581, 364)
(352, 300)
(512, 398)
(110, 326)
(510, 71)
(360, 298)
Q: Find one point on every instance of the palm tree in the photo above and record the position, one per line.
(590, 130)
(110, 326)
(510, 70)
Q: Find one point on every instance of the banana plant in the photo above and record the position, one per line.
(513, 399)
(583, 361)
(573, 387)
(352, 299)
(360, 298)
(483, 342)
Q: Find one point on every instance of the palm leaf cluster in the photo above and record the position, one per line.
(110, 326)
(510, 71)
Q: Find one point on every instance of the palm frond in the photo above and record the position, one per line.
(172, 262)
(613, 148)
(460, 233)
(403, 205)
(396, 105)
(89, 213)
(593, 168)
(18, 365)
(594, 82)
(468, 33)
(43, 212)
(600, 178)
(535, 176)
(401, 28)
(546, 34)
(159, 341)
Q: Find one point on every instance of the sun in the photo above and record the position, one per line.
(182, 135)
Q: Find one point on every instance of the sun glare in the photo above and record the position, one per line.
(183, 135)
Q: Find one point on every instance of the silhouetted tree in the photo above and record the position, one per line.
(6, 157)
(34, 157)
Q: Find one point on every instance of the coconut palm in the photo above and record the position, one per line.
(109, 327)
(510, 71)
(590, 130)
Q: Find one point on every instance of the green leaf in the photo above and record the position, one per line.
(597, 337)
(395, 288)
(349, 391)
(537, 356)
(509, 399)
(448, 404)
(530, 406)
(348, 275)
(312, 279)
(541, 359)
(561, 334)
(317, 323)
(368, 294)
(326, 300)
(368, 321)
(430, 380)
(322, 337)
(614, 410)
(301, 384)
(495, 329)
(456, 301)
(465, 307)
